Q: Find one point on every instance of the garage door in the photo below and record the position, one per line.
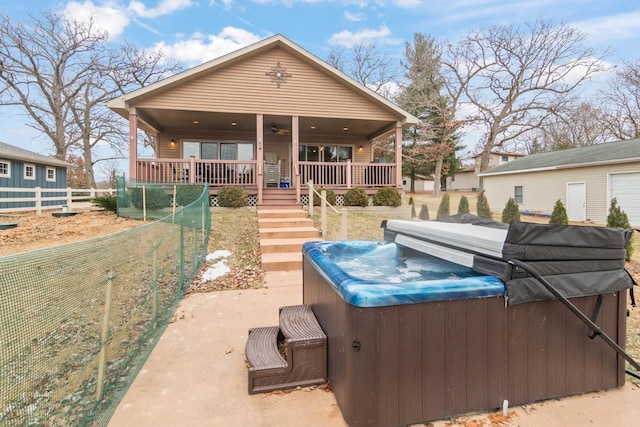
(625, 187)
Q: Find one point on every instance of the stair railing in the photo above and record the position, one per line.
(323, 212)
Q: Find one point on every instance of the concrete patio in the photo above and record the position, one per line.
(197, 375)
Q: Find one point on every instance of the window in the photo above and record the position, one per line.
(325, 153)
(5, 169)
(505, 158)
(518, 194)
(29, 171)
(208, 150)
(51, 174)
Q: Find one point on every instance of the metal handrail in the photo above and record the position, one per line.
(323, 212)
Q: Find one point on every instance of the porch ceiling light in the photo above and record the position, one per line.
(234, 124)
(345, 128)
(312, 127)
(195, 122)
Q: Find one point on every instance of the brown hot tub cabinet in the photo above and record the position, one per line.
(428, 358)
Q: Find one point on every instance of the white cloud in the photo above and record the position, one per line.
(349, 39)
(108, 18)
(407, 3)
(611, 28)
(165, 7)
(354, 17)
(201, 48)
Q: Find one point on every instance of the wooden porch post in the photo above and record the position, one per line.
(295, 136)
(133, 143)
(398, 156)
(259, 153)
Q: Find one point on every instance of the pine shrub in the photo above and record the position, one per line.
(413, 211)
(463, 207)
(232, 197)
(387, 196)
(424, 213)
(559, 214)
(443, 209)
(108, 202)
(483, 208)
(186, 194)
(155, 198)
(511, 211)
(411, 202)
(356, 197)
(618, 218)
(331, 197)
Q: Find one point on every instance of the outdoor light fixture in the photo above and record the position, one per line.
(321, 147)
(195, 122)
(360, 148)
(345, 128)
(234, 124)
(312, 127)
(172, 142)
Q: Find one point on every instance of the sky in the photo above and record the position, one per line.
(194, 31)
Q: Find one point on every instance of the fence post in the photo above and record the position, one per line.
(348, 173)
(323, 213)
(155, 287)
(69, 198)
(310, 185)
(343, 224)
(144, 203)
(38, 201)
(103, 339)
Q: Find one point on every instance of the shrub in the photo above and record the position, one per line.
(356, 197)
(331, 197)
(463, 207)
(424, 213)
(411, 202)
(387, 196)
(618, 218)
(232, 197)
(413, 211)
(559, 214)
(511, 211)
(156, 198)
(443, 209)
(186, 194)
(108, 202)
(483, 208)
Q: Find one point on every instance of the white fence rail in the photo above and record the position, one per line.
(35, 198)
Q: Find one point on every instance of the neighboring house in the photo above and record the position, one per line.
(268, 115)
(21, 168)
(585, 179)
(421, 184)
(467, 178)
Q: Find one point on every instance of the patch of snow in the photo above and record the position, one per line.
(215, 271)
(218, 254)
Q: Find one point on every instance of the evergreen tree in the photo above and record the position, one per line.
(483, 208)
(559, 214)
(443, 209)
(463, 207)
(424, 213)
(413, 211)
(618, 218)
(511, 211)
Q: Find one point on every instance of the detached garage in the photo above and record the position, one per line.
(584, 178)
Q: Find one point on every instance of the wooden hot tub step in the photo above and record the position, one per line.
(303, 343)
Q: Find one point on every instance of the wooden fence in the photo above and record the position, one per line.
(38, 199)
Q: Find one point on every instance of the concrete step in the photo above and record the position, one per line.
(284, 222)
(289, 233)
(282, 261)
(270, 246)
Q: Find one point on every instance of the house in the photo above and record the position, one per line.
(421, 184)
(585, 179)
(467, 178)
(269, 118)
(21, 168)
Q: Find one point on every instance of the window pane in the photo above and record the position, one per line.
(228, 151)
(517, 193)
(210, 150)
(345, 153)
(245, 151)
(190, 148)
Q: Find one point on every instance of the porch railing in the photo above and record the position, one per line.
(220, 173)
(196, 171)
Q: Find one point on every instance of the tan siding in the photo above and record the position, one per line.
(463, 181)
(542, 189)
(244, 87)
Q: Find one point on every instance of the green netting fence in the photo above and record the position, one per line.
(78, 321)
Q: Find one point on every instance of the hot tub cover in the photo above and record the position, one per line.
(576, 260)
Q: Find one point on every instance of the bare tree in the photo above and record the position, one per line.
(366, 64)
(61, 74)
(622, 101)
(516, 78)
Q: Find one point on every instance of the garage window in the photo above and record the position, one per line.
(518, 194)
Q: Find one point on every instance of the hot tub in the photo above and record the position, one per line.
(441, 341)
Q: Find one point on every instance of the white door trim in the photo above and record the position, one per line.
(573, 211)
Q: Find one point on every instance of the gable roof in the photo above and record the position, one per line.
(121, 104)
(600, 154)
(11, 152)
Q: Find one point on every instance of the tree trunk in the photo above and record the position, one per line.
(437, 175)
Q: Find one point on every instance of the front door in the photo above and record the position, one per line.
(577, 201)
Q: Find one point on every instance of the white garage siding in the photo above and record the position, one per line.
(541, 189)
(625, 188)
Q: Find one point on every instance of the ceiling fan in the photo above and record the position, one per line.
(278, 131)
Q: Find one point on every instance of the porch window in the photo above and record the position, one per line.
(308, 153)
(325, 153)
(518, 194)
(209, 150)
(5, 169)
